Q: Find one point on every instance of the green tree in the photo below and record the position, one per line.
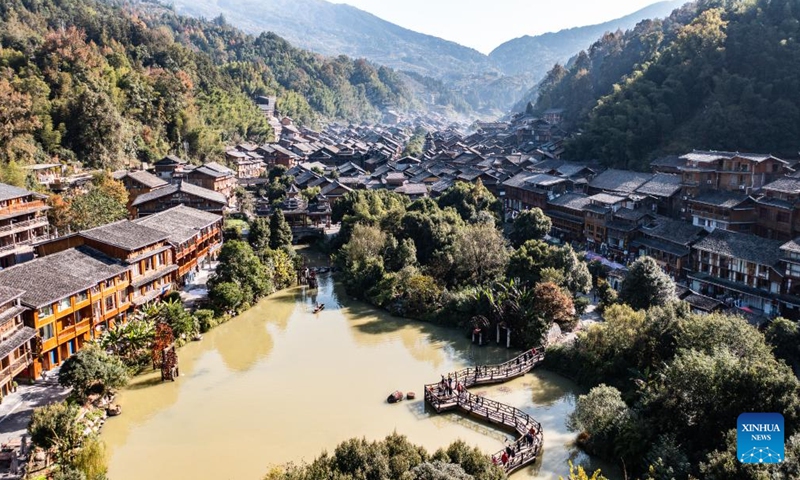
(600, 416)
(580, 473)
(259, 234)
(174, 313)
(530, 224)
(527, 261)
(105, 203)
(784, 336)
(646, 285)
(477, 256)
(56, 426)
(470, 201)
(91, 459)
(280, 233)
(226, 297)
(92, 370)
(238, 265)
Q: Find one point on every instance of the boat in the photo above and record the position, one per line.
(319, 308)
(411, 396)
(394, 397)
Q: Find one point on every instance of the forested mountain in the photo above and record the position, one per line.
(717, 74)
(534, 55)
(489, 84)
(336, 29)
(107, 83)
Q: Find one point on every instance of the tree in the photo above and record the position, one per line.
(477, 256)
(646, 285)
(105, 203)
(605, 294)
(529, 259)
(280, 233)
(530, 224)
(554, 305)
(177, 317)
(437, 470)
(599, 415)
(470, 200)
(784, 336)
(259, 233)
(580, 473)
(56, 426)
(92, 370)
(248, 278)
(91, 459)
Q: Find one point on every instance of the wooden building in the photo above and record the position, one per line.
(740, 269)
(669, 242)
(183, 193)
(23, 221)
(531, 190)
(166, 167)
(215, 177)
(567, 214)
(729, 171)
(16, 357)
(723, 210)
(68, 295)
(778, 210)
(195, 236)
(139, 182)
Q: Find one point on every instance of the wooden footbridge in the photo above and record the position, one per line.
(528, 446)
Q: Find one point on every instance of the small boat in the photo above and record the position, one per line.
(411, 396)
(394, 397)
(319, 308)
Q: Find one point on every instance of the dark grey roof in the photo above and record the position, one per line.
(185, 187)
(19, 338)
(712, 156)
(527, 179)
(784, 185)
(682, 233)
(8, 294)
(775, 202)
(701, 302)
(574, 201)
(7, 192)
(792, 245)
(171, 160)
(215, 170)
(53, 277)
(630, 214)
(147, 179)
(620, 180)
(606, 198)
(673, 161)
(181, 223)
(125, 234)
(742, 246)
(662, 185)
(720, 198)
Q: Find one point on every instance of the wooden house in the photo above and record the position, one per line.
(181, 194)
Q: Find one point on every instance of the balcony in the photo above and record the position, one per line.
(22, 208)
(17, 366)
(22, 226)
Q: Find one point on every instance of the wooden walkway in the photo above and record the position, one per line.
(525, 451)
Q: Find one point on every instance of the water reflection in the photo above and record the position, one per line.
(283, 384)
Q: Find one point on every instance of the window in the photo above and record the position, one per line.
(110, 302)
(783, 217)
(109, 283)
(96, 308)
(46, 332)
(45, 311)
(64, 304)
(148, 264)
(159, 259)
(82, 297)
(137, 269)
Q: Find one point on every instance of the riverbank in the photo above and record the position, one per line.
(301, 383)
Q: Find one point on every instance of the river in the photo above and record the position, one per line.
(281, 384)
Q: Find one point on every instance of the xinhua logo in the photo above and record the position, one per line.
(759, 438)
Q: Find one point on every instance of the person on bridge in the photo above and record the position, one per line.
(504, 459)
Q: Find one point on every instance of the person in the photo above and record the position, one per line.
(510, 451)
(504, 458)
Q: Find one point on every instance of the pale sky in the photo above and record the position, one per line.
(485, 24)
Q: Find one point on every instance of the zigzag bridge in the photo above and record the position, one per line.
(528, 446)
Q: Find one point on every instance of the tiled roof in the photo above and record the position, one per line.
(125, 234)
(574, 201)
(19, 338)
(606, 198)
(682, 233)
(527, 179)
(214, 169)
(53, 277)
(719, 198)
(147, 179)
(620, 180)
(181, 223)
(741, 246)
(182, 187)
(784, 185)
(7, 192)
(662, 185)
(705, 156)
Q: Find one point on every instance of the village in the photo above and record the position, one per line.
(721, 224)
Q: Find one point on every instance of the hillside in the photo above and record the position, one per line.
(109, 84)
(718, 74)
(336, 29)
(535, 55)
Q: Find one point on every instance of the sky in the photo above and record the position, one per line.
(485, 24)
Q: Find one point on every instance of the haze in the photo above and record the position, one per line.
(483, 25)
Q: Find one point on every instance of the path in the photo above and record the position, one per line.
(527, 447)
(16, 409)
